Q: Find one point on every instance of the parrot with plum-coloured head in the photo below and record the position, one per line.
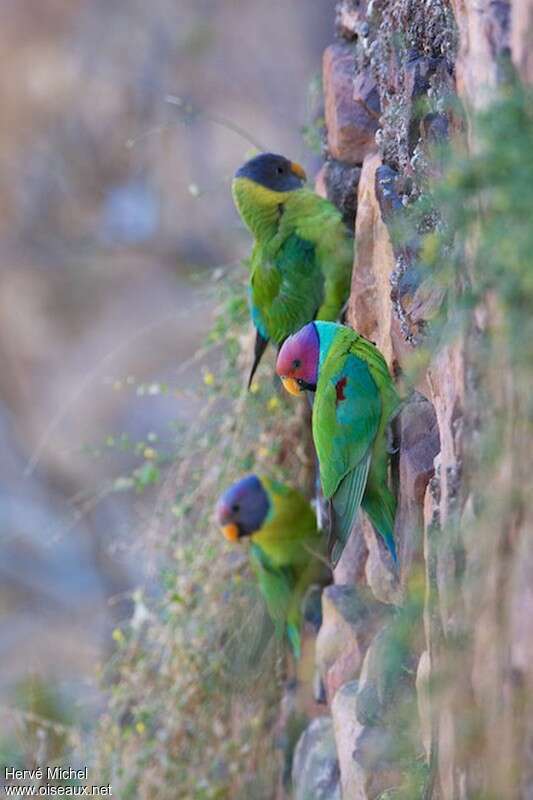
(354, 401)
(301, 262)
(286, 548)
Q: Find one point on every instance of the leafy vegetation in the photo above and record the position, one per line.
(194, 683)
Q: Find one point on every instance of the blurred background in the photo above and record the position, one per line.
(122, 123)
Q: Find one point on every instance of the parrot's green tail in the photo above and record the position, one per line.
(381, 508)
(260, 346)
(293, 635)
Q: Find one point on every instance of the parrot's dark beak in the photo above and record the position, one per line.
(299, 171)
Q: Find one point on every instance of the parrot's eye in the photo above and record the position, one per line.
(296, 363)
(235, 508)
(280, 170)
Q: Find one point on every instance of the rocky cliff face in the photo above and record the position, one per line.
(428, 675)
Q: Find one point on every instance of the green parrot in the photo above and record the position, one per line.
(301, 262)
(286, 548)
(355, 399)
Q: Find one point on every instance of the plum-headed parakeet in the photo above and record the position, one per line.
(301, 262)
(286, 549)
(355, 399)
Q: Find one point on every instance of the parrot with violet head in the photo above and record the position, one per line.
(301, 262)
(355, 399)
(286, 548)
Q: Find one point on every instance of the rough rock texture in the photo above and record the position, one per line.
(339, 182)
(379, 569)
(483, 38)
(347, 731)
(423, 674)
(447, 380)
(351, 19)
(350, 618)
(369, 309)
(315, 770)
(521, 38)
(385, 690)
(419, 440)
(352, 563)
(417, 694)
(351, 118)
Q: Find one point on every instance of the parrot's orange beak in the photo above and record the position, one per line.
(230, 532)
(291, 385)
(297, 170)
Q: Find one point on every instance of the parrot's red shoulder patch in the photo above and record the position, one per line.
(339, 388)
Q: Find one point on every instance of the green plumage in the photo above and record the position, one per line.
(301, 263)
(354, 402)
(286, 558)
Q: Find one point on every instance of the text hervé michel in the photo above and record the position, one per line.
(47, 773)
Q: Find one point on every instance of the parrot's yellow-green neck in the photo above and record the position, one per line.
(289, 527)
(260, 208)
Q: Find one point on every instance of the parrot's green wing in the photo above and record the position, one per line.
(368, 352)
(379, 503)
(318, 221)
(346, 419)
(287, 288)
(287, 557)
(301, 268)
(344, 506)
(276, 585)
